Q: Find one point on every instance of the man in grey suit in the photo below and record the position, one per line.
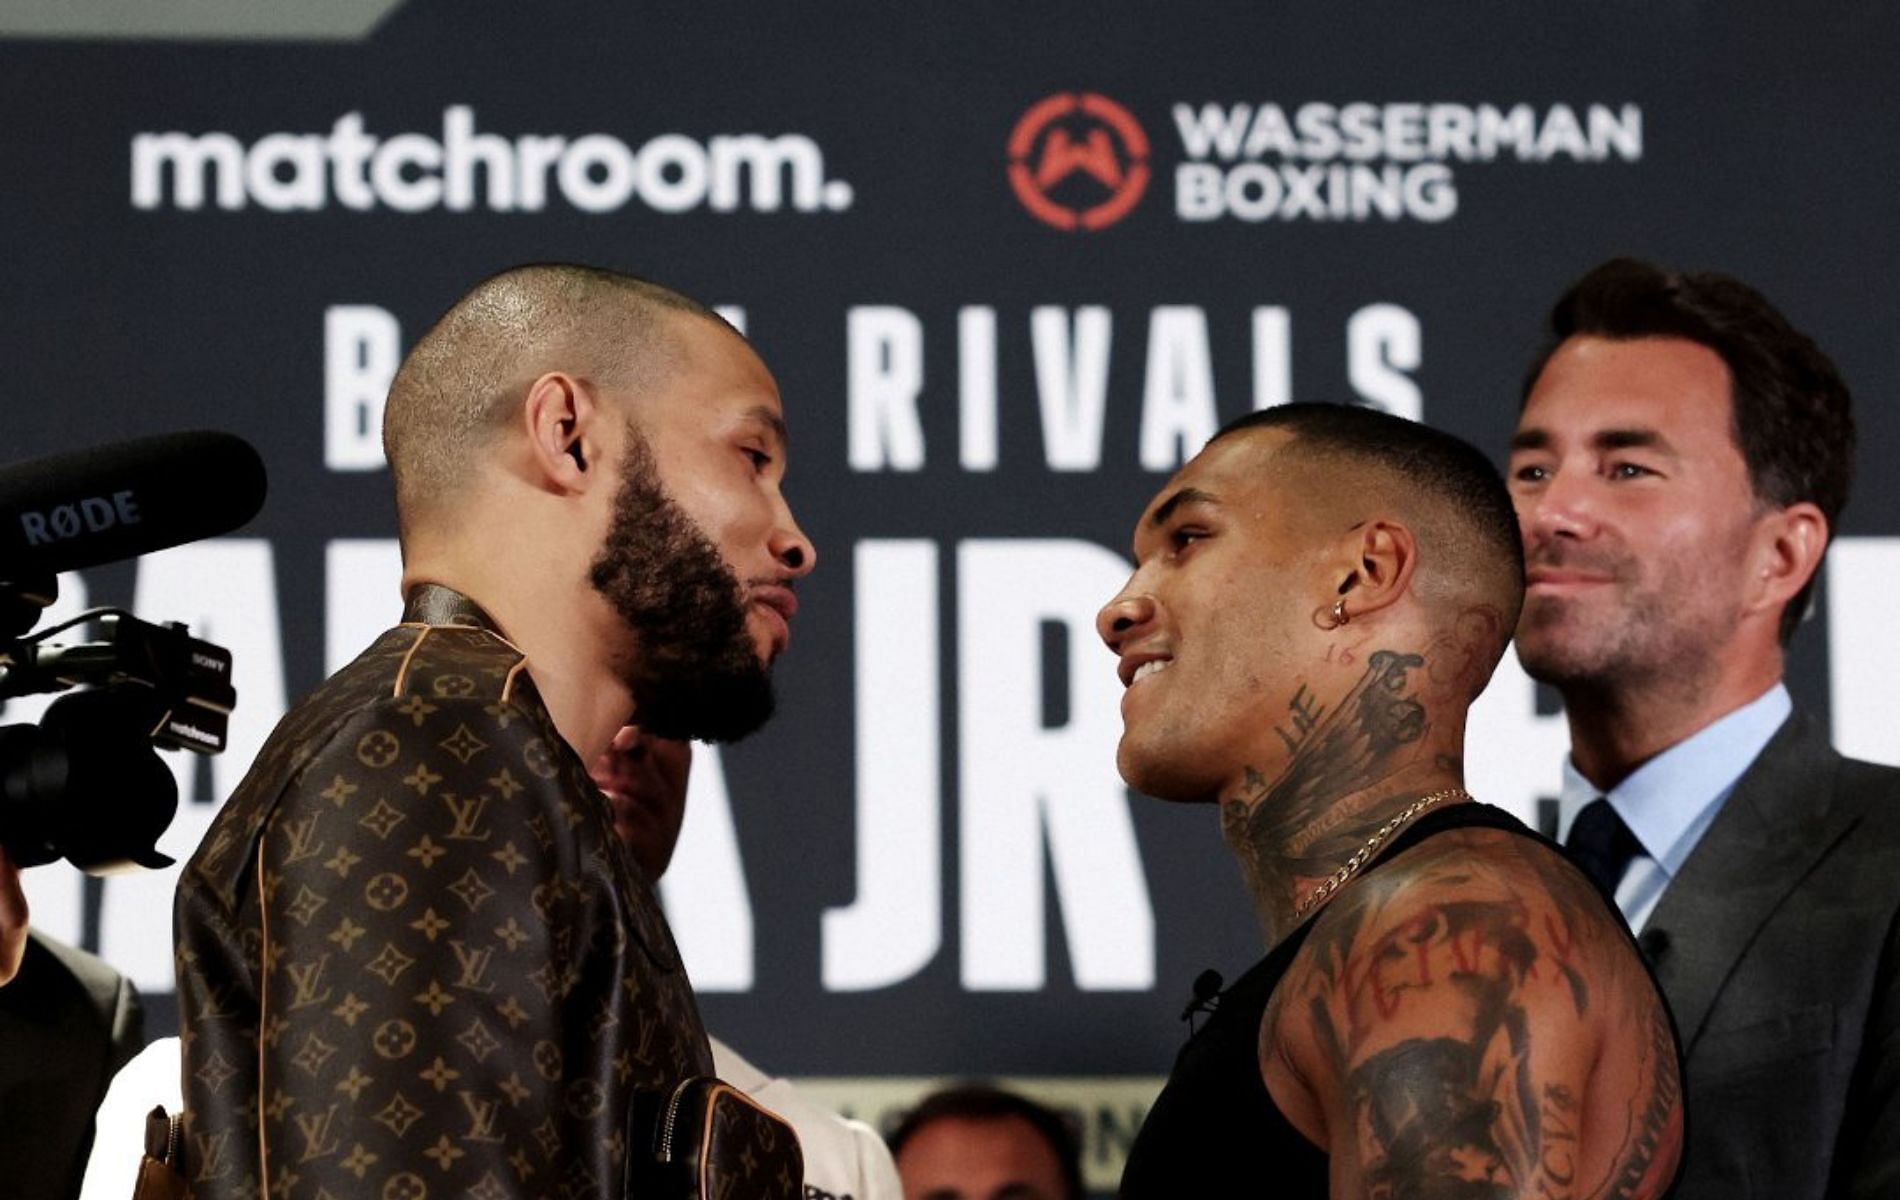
(1680, 462)
(67, 1022)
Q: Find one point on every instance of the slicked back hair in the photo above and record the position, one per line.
(463, 381)
(1455, 498)
(1791, 413)
(982, 1102)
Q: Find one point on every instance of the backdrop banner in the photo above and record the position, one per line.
(1011, 265)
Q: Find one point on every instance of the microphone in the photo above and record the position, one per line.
(101, 505)
(1206, 996)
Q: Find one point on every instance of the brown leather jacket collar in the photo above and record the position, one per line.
(433, 604)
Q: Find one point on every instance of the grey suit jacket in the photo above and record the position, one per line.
(1778, 947)
(67, 1022)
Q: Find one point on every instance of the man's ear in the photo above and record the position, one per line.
(1786, 551)
(1379, 559)
(562, 417)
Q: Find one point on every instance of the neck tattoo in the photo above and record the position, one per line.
(1350, 867)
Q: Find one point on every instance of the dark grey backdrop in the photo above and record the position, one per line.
(1768, 148)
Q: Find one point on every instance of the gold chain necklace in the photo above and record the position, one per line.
(1351, 866)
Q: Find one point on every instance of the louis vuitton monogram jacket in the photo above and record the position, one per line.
(413, 959)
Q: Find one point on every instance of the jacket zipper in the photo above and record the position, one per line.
(670, 1118)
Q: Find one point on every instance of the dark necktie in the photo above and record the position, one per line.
(1601, 844)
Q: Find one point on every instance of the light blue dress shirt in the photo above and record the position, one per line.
(1669, 801)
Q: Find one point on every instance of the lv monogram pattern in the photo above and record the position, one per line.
(750, 1154)
(413, 959)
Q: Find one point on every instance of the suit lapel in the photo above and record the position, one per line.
(1774, 828)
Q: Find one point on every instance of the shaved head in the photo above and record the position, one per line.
(1359, 464)
(463, 382)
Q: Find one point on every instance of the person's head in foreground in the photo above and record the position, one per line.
(597, 461)
(1319, 596)
(982, 1143)
(1681, 459)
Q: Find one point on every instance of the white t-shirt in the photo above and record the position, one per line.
(118, 1141)
(844, 1159)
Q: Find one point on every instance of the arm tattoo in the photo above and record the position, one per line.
(1445, 1107)
(1654, 1137)
(1441, 994)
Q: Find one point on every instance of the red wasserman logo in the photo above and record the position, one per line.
(1078, 160)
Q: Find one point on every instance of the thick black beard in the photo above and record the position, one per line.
(696, 673)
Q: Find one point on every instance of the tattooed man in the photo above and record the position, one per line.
(1448, 1009)
(1681, 461)
(413, 958)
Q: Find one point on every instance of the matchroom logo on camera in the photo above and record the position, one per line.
(1080, 161)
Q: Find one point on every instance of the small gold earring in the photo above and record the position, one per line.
(1334, 617)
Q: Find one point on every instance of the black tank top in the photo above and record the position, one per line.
(1215, 1124)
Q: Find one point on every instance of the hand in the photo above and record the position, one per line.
(12, 918)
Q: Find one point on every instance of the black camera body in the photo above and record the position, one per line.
(86, 783)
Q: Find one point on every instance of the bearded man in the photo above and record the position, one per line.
(413, 959)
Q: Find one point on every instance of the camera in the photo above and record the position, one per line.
(86, 783)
